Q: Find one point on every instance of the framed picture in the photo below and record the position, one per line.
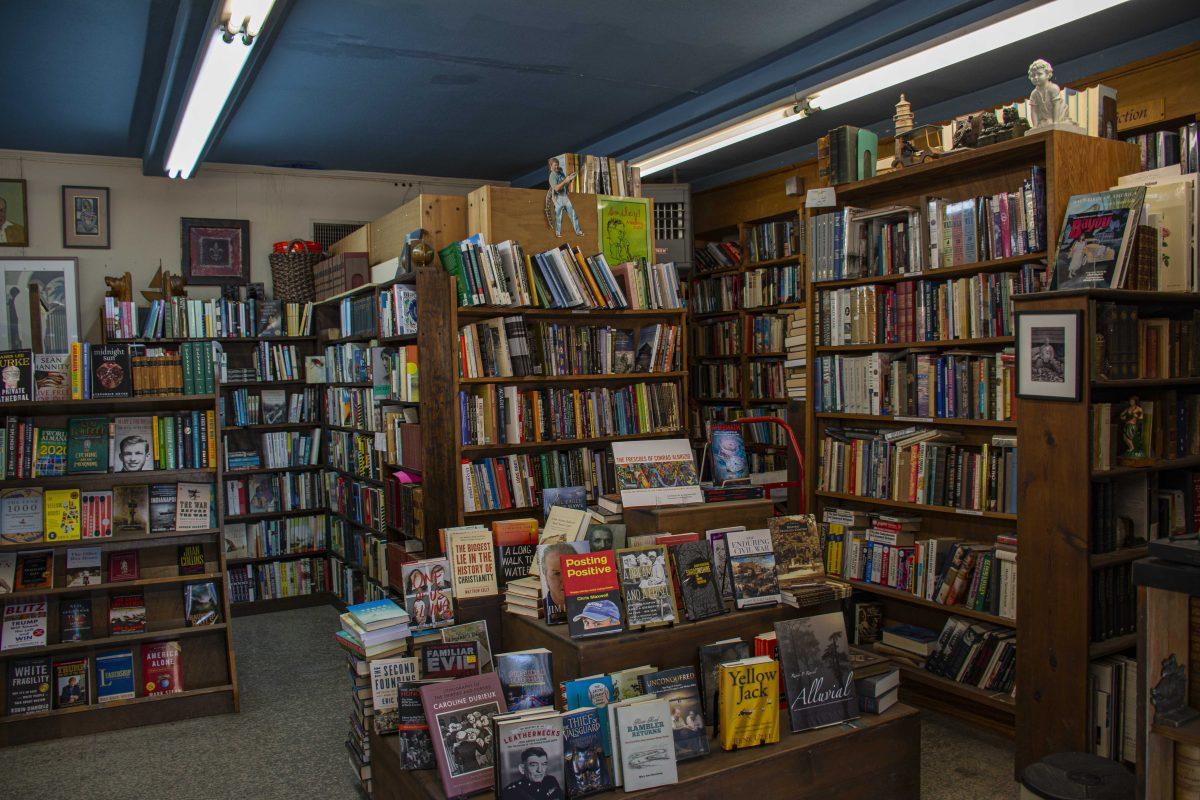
(1049, 351)
(14, 213)
(626, 230)
(41, 304)
(216, 252)
(85, 216)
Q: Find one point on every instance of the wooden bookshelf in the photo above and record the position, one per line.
(1073, 165)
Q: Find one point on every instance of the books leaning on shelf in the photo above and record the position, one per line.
(976, 654)
(278, 579)
(715, 256)
(1143, 431)
(770, 240)
(591, 174)
(1112, 683)
(217, 318)
(397, 311)
(516, 481)
(1130, 345)
(1165, 148)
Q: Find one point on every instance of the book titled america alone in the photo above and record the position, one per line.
(818, 679)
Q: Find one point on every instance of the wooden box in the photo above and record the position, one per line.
(443, 216)
(340, 273)
(698, 517)
(357, 242)
(500, 213)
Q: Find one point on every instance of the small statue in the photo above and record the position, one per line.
(120, 287)
(903, 121)
(1133, 423)
(164, 286)
(1047, 102)
(1170, 695)
(558, 201)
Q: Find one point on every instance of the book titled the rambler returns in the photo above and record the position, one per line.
(661, 472)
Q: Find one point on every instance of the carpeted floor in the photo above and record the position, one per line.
(288, 740)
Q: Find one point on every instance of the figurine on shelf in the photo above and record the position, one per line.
(164, 286)
(1133, 441)
(120, 287)
(903, 121)
(558, 201)
(1170, 695)
(1047, 102)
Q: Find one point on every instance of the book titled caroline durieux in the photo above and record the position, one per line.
(656, 473)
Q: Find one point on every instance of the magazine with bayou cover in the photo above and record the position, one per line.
(646, 586)
(1096, 238)
(817, 676)
(661, 472)
(460, 715)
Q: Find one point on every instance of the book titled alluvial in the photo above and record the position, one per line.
(71, 682)
(162, 507)
(593, 594)
(819, 681)
(549, 563)
(83, 566)
(585, 741)
(131, 444)
(474, 631)
(16, 375)
(21, 516)
(449, 659)
(87, 445)
(27, 690)
(126, 613)
(162, 670)
(647, 745)
(24, 625)
(114, 676)
(193, 506)
(646, 586)
(451, 708)
(679, 688)
(201, 604)
(74, 619)
(51, 377)
(748, 702)
(696, 580)
(131, 508)
(661, 472)
(63, 522)
(596, 692)
(752, 568)
(528, 753)
(387, 674)
(526, 678)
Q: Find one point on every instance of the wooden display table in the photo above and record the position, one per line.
(877, 757)
(698, 517)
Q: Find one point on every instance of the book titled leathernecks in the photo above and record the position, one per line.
(528, 754)
(459, 714)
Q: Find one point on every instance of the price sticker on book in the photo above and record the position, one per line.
(825, 197)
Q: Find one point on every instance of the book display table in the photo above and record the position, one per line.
(699, 516)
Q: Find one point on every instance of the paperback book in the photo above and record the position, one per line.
(585, 743)
(596, 692)
(819, 681)
(201, 604)
(647, 745)
(27, 690)
(63, 521)
(83, 566)
(132, 449)
(593, 596)
(387, 675)
(52, 377)
(111, 375)
(428, 594)
(131, 509)
(661, 472)
(679, 688)
(87, 445)
(646, 586)
(449, 659)
(728, 453)
(114, 676)
(162, 507)
(24, 625)
(162, 670)
(696, 579)
(796, 541)
(475, 631)
(1096, 239)
(75, 619)
(191, 559)
(412, 730)
(713, 656)
(752, 568)
(472, 563)
(126, 613)
(748, 702)
(123, 565)
(21, 515)
(71, 683)
(549, 561)
(526, 679)
(16, 366)
(528, 753)
(516, 543)
(194, 507)
(35, 569)
(459, 713)
(50, 452)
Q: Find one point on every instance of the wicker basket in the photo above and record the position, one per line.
(292, 273)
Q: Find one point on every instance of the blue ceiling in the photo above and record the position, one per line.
(478, 89)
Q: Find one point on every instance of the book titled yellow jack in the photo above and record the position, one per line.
(748, 702)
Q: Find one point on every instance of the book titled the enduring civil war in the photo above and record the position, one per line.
(752, 568)
(819, 681)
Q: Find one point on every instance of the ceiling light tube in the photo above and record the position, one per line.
(929, 58)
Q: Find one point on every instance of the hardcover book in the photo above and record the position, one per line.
(412, 730)
(162, 670)
(592, 593)
(8, 572)
(131, 444)
(516, 541)
(28, 686)
(376, 614)
(626, 685)
(728, 453)
(720, 558)
(274, 406)
(114, 676)
(566, 496)
(748, 702)
(264, 497)
(71, 683)
(647, 745)
(75, 619)
(526, 678)
(123, 566)
(549, 561)
(472, 563)
(585, 744)
(679, 688)
(52, 377)
(449, 659)
(16, 367)
(87, 445)
(50, 452)
(201, 604)
(63, 521)
(475, 631)
(387, 674)
(796, 541)
(458, 712)
(752, 568)
(126, 613)
(35, 569)
(711, 657)
(528, 752)
(596, 692)
(696, 580)
(661, 472)
(24, 625)
(97, 508)
(83, 566)
(194, 507)
(21, 515)
(428, 594)
(819, 681)
(646, 586)
(112, 375)
(131, 509)
(162, 507)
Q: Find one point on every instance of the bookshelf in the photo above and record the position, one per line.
(1089, 613)
(209, 678)
(1072, 164)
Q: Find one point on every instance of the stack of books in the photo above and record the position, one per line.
(795, 345)
(374, 630)
(524, 596)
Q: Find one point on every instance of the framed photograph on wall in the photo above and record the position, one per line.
(1049, 352)
(85, 213)
(216, 252)
(41, 304)
(14, 213)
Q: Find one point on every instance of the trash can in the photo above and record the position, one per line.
(1077, 776)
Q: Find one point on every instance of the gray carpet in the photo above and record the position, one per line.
(288, 740)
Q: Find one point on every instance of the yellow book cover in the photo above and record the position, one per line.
(76, 371)
(62, 515)
(748, 702)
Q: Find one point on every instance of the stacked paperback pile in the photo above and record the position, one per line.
(796, 347)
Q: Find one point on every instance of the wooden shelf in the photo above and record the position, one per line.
(278, 426)
(297, 512)
(565, 443)
(350, 385)
(736, 400)
(953, 422)
(523, 511)
(138, 540)
(235, 473)
(290, 603)
(938, 273)
(131, 405)
(1110, 646)
(990, 341)
(360, 525)
(787, 306)
(912, 599)
(266, 384)
(777, 354)
(876, 501)
(772, 262)
(467, 313)
(1128, 296)
(594, 378)
(997, 701)
(116, 586)
(403, 338)
(1160, 465)
(712, 314)
(280, 557)
(352, 339)
(737, 357)
(1121, 556)
(220, 339)
(114, 641)
(348, 429)
(713, 273)
(1187, 734)
(1145, 383)
(365, 479)
(87, 480)
(136, 701)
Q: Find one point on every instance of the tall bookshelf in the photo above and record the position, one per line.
(1073, 164)
(209, 676)
(1062, 524)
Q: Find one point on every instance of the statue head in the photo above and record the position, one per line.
(1040, 72)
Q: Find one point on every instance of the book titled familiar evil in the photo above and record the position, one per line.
(593, 594)
(819, 681)
(449, 659)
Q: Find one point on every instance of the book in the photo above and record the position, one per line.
(720, 558)
(752, 568)
(123, 565)
(412, 730)
(595, 692)
(131, 444)
(111, 372)
(16, 366)
(549, 561)
(96, 511)
(114, 676)
(273, 406)
(21, 515)
(564, 524)
(528, 754)
(566, 496)
(678, 686)
(75, 619)
(626, 683)
(1096, 239)
(387, 675)
(126, 613)
(162, 669)
(475, 631)
(660, 472)
(83, 566)
(377, 614)
(472, 563)
(49, 452)
(457, 713)
(263, 493)
(8, 572)
(815, 659)
(87, 445)
(516, 545)
(868, 623)
(234, 541)
(71, 683)
(605, 535)
(526, 678)
(194, 507)
(162, 499)
(796, 541)
(201, 604)
(35, 569)
(646, 586)
(63, 522)
(191, 559)
(694, 575)
(428, 594)
(24, 625)
(51, 377)
(910, 638)
(449, 659)
(131, 508)
(727, 451)
(880, 704)
(748, 702)
(593, 596)
(647, 746)
(27, 690)
(584, 749)
(711, 657)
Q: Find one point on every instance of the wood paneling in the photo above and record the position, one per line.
(443, 216)
(500, 213)
(357, 242)
(720, 210)
(699, 516)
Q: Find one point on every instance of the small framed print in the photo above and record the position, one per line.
(216, 252)
(14, 213)
(1049, 354)
(85, 213)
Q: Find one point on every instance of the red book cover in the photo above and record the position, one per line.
(593, 594)
(162, 672)
(669, 539)
(457, 712)
(123, 566)
(509, 532)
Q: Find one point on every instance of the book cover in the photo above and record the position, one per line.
(459, 714)
(75, 619)
(87, 445)
(24, 625)
(131, 509)
(8, 572)
(1096, 238)
(123, 565)
(273, 406)
(71, 683)
(661, 472)
(194, 507)
(646, 586)
(549, 562)
(697, 581)
(428, 594)
(377, 614)
(623, 350)
(263, 493)
(52, 377)
(130, 445)
(126, 613)
(162, 507)
(473, 563)
(647, 745)
(16, 376)
(35, 569)
(234, 540)
(97, 514)
(63, 515)
(387, 674)
(112, 375)
(566, 496)
(626, 685)
(678, 686)
(584, 749)
(819, 681)
(201, 604)
(605, 535)
(449, 659)
(748, 702)
(412, 730)
(83, 566)
(796, 540)
(529, 757)
(28, 686)
(21, 516)
(868, 623)
(526, 678)
(596, 692)
(114, 676)
(593, 596)
(50, 452)
(728, 453)
(752, 568)
(191, 559)
(475, 631)
(712, 656)
(162, 669)
(516, 544)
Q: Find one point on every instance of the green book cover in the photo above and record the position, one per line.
(189, 380)
(451, 258)
(51, 452)
(87, 445)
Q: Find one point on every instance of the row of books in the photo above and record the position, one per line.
(920, 465)
(353, 408)
(29, 570)
(954, 385)
(591, 174)
(1130, 510)
(757, 289)
(765, 379)
(1113, 603)
(770, 240)
(364, 551)
(397, 311)
(519, 481)
(979, 306)
(716, 381)
(275, 537)
(1112, 709)
(270, 407)
(1002, 225)
(39, 685)
(217, 318)
(356, 317)
(977, 654)
(362, 503)
(1164, 148)
(350, 585)
(273, 493)
(1128, 345)
(353, 453)
(402, 434)
(275, 450)
(1140, 432)
(720, 337)
(350, 362)
(715, 256)
(795, 346)
(509, 415)
(278, 579)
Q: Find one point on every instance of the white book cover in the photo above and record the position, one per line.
(24, 625)
(658, 472)
(752, 567)
(386, 676)
(647, 745)
(8, 572)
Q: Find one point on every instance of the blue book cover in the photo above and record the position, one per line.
(377, 614)
(585, 744)
(597, 692)
(728, 453)
(114, 676)
(567, 496)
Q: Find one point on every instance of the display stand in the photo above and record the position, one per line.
(698, 516)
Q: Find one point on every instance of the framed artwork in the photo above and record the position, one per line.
(41, 304)
(216, 252)
(85, 216)
(14, 213)
(1049, 354)
(626, 228)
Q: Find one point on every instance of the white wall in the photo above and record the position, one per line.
(145, 211)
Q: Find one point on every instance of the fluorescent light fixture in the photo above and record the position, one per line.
(226, 50)
(959, 47)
